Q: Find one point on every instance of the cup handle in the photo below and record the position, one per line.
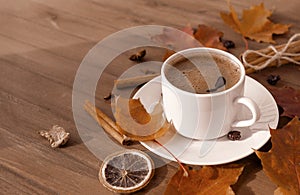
(252, 106)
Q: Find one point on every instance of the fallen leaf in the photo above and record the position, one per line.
(209, 37)
(135, 122)
(175, 39)
(57, 136)
(282, 162)
(188, 29)
(289, 99)
(254, 24)
(204, 36)
(207, 180)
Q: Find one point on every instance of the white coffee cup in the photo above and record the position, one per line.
(205, 116)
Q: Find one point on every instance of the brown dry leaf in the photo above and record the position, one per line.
(209, 37)
(57, 136)
(176, 40)
(135, 122)
(169, 38)
(254, 24)
(188, 29)
(204, 36)
(289, 99)
(282, 162)
(212, 180)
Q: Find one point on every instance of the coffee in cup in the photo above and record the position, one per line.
(204, 73)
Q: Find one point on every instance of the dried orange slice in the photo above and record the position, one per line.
(126, 171)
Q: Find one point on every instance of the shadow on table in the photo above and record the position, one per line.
(159, 178)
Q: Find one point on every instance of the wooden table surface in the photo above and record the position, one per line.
(42, 43)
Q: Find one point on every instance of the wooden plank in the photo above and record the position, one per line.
(42, 45)
(41, 37)
(88, 10)
(39, 165)
(34, 170)
(34, 34)
(36, 60)
(170, 13)
(10, 47)
(56, 19)
(39, 91)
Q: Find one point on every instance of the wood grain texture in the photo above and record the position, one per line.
(42, 43)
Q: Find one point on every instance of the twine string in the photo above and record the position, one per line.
(278, 55)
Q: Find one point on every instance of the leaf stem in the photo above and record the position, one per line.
(185, 173)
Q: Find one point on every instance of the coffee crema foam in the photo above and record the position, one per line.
(197, 74)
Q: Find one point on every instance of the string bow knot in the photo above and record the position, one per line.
(278, 55)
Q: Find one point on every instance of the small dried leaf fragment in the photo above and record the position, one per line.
(254, 24)
(209, 37)
(57, 136)
(135, 122)
(211, 180)
(282, 162)
(289, 99)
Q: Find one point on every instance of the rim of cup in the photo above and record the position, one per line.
(193, 52)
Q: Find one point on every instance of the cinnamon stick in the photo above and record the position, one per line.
(294, 47)
(257, 60)
(272, 64)
(134, 81)
(107, 123)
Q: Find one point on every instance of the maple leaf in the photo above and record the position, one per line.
(209, 37)
(207, 180)
(254, 24)
(204, 36)
(135, 122)
(282, 162)
(177, 39)
(188, 29)
(289, 99)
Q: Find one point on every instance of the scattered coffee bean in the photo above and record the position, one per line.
(234, 135)
(138, 56)
(228, 44)
(273, 79)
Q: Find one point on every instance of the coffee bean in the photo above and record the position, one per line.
(234, 135)
(273, 79)
(228, 44)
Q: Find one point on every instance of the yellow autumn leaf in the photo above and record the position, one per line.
(254, 24)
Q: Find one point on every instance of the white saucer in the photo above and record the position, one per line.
(218, 151)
